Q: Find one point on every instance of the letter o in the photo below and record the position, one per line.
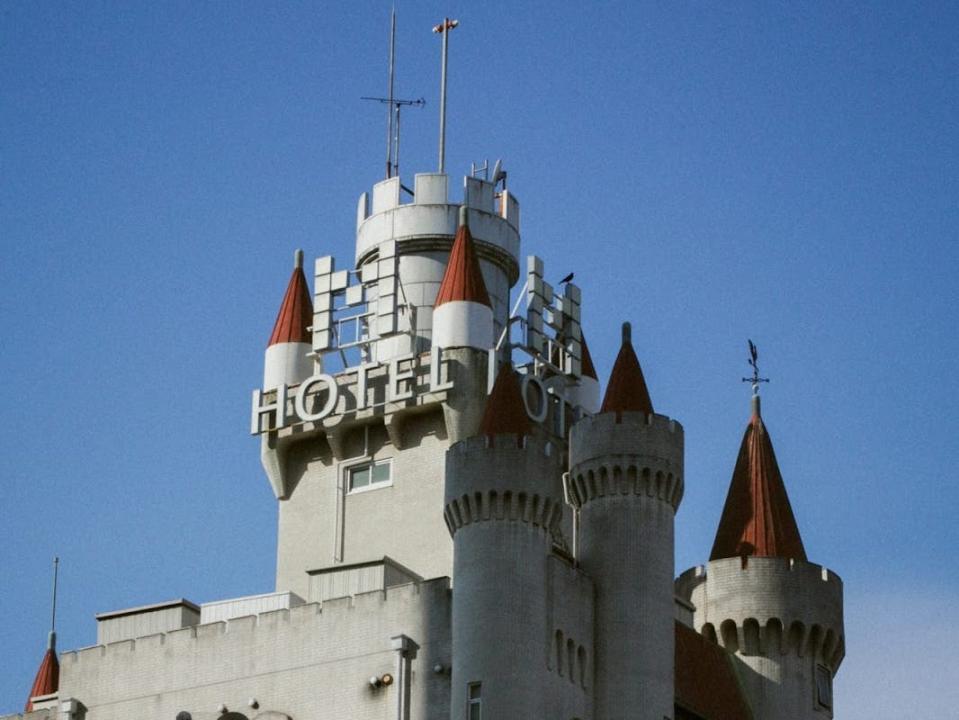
(333, 394)
(540, 414)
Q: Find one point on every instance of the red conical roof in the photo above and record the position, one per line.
(47, 680)
(463, 279)
(757, 518)
(626, 390)
(296, 312)
(588, 369)
(505, 410)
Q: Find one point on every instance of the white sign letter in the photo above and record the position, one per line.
(333, 394)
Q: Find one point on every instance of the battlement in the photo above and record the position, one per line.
(504, 479)
(306, 618)
(763, 605)
(414, 225)
(640, 455)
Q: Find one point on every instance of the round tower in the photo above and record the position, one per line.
(761, 599)
(289, 359)
(404, 238)
(504, 505)
(626, 477)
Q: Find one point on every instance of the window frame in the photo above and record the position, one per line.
(824, 676)
(369, 464)
(474, 701)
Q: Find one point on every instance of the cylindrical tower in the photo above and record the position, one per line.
(407, 239)
(626, 477)
(761, 599)
(503, 505)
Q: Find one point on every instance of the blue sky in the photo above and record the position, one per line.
(780, 171)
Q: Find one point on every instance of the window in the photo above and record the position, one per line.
(823, 687)
(370, 475)
(474, 699)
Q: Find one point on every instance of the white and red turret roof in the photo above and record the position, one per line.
(626, 390)
(296, 313)
(757, 518)
(463, 279)
(48, 677)
(505, 410)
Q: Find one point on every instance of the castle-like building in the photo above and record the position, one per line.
(467, 529)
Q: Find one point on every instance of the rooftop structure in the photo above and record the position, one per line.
(464, 531)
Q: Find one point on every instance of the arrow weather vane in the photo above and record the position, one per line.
(754, 364)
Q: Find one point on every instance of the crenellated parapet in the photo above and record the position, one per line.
(636, 454)
(504, 480)
(768, 606)
(332, 647)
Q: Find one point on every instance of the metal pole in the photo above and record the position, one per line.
(389, 107)
(444, 29)
(52, 640)
(446, 32)
(396, 156)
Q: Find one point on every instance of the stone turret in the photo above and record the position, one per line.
(504, 506)
(761, 599)
(626, 478)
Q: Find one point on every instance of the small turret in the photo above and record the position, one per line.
(504, 509)
(757, 518)
(462, 314)
(626, 479)
(288, 360)
(759, 597)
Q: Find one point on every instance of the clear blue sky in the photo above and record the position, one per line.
(712, 172)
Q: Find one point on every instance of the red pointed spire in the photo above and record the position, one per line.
(47, 680)
(505, 410)
(626, 390)
(296, 312)
(588, 369)
(757, 518)
(463, 279)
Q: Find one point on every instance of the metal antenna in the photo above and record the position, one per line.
(393, 107)
(389, 109)
(52, 639)
(444, 29)
(393, 169)
(754, 364)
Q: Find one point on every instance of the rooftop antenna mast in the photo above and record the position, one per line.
(52, 639)
(444, 29)
(393, 106)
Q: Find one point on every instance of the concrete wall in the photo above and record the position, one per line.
(322, 524)
(312, 661)
(146, 620)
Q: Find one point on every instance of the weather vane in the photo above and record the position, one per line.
(754, 364)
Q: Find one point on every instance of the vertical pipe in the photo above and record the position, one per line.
(396, 155)
(52, 639)
(445, 32)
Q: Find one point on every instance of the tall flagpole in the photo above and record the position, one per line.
(389, 104)
(444, 29)
(52, 639)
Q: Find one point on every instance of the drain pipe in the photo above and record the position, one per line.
(405, 654)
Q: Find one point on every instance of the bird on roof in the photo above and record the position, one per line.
(568, 278)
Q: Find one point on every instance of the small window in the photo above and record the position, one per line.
(370, 475)
(474, 700)
(823, 687)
